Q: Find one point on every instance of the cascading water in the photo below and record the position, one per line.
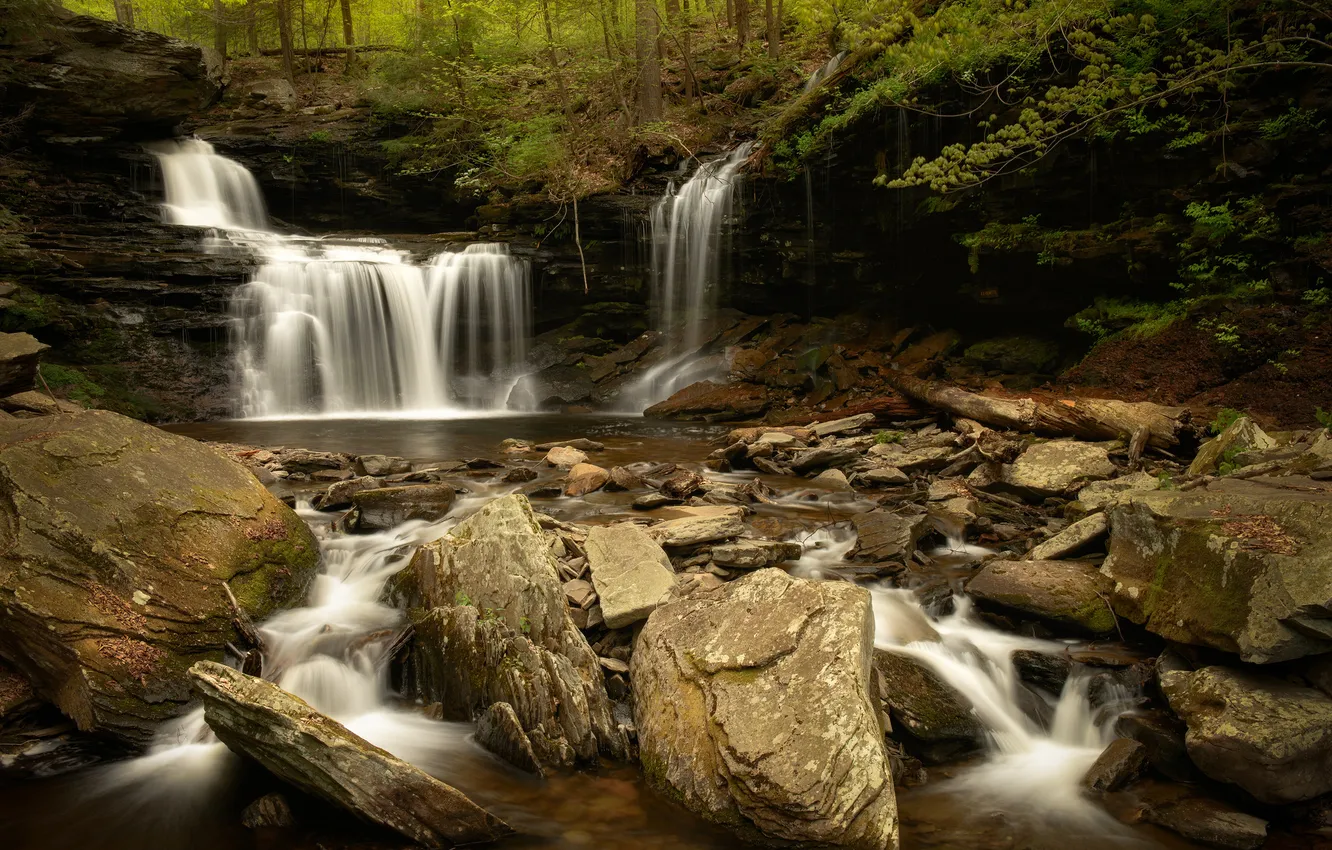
(686, 230)
(352, 327)
(827, 70)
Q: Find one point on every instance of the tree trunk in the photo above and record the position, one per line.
(219, 28)
(730, 13)
(741, 22)
(252, 25)
(348, 36)
(124, 12)
(648, 31)
(774, 31)
(283, 10)
(553, 56)
(1087, 418)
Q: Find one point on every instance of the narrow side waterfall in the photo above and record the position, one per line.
(341, 328)
(827, 70)
(687, 229)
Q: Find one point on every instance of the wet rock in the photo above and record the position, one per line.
(1201, 819)
(1102, 495)
(719, 677)
(841, 426)
(1055, 468)
(699, 525)
(1241, 566)
(887, 475)
(19, 355)
(463, 658)
(622, 478)
(582, 444)
(563, 457)
(1241, 435)
(387, 507)
(499, 730)
(822, 458)
(585, 478)
(1268, 736)
(339, 495)
(332, 475)
(1077, 537)
(833, 479)
(115, 541)
(1163, 735)
(1121, 763)
(939, 719)
(712, 402)
(271, 811)
(888, 535)
(381, 465)
(652, 501)
(682, 484)
(1045, 671)
(632, 574)
(755, 554)
(552, 387)
(306, 461)
(317, 754)
(519, 475)
(1064, 593)
(1013, 355)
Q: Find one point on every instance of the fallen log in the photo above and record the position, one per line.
(1088, 418)
(330, 51)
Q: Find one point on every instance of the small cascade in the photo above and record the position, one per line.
(207, 190)
(829, 68)
(686, 230)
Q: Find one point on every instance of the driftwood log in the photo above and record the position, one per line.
(1144, 423)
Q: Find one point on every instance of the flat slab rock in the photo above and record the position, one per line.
(693, 526)
(753, 710)
(1056, 467)
(631, 572)
(1066, 593)
(314, 752)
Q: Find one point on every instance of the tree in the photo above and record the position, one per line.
(125, 12)
(219, 29)
(283, 10)
(648, 31)
(774, 31)
(348, 35)
(252, 26)
(742, 22)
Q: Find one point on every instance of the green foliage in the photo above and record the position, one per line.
(1295, 122)
(29, 312)
(1224, 419)
(321, 136)
(1226, 464)
(1324, 418)
(1165, 480)
(1317, 298)
(1112, 317)
(461, 599)
(883, 438)
(71, 383)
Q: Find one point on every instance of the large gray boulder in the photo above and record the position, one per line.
(1070, 594)
(1056, 468)
(632, 574)
(317, 754)
(116, 539)
(753, 709)
(1242, 566)
(19, 354)
(1266, 735)
(497, 565)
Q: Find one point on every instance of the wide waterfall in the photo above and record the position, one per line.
(687, 230)
(352, 327)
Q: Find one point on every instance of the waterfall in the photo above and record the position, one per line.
(351, 327)
(829, 68)
(686, 229)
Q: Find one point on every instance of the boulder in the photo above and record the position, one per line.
(833, 479)
(888, 535)
(563, 457)
(274, 94)
(381, 465)
(585, 478)
(1071, 540)
(622, 478)
(387, 507)
(632, 574)
(116, 539)
(699, 525)
(682, 484)
(886, 475)
(823, 457)
(1045, 671)
(1242, 566)
(519, 475)
(1013, 355)
(271, 811)
(581, 443)
(310, 462)
(339, 496)
(1056, 467)
(939, 719)
(19, 355)
(1208, 822)
(37, 403)
(317, 754)
(553, 386)
(1242, 435)
(713, 402)
(780, 440)
(1118, 765)
(500, 731)
(920, 459)
(840, 426)
(1102, 495)
(753, 554)
(753, 709)
(526, 627)
(1064, 593)
(1264, 734)
(652, 501)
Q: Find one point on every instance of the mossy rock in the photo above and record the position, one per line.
(117, 538)
(1015, 355)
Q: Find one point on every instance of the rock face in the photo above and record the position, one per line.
(1242, 566)
(713, 402)
(753, 709)
(1269, 737)
(115, 541)
(19, 354)
(632, 574)
(86, 76)
(508, 628)
(319, 755)
(1065, 593)
(1054, 468)
(753, 554)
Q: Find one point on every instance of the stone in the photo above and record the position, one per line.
(115, 541)
(833, 479)
(39, 403)
(1202, 819)
(621, 478)
(1119, 764)
(1162, 733)
(780, 440)
(886, 475)
(274, 94)
(1072, 540)
(682, 484)
(388, 507)
(304, 460)
(332, 475)
(582, 444)
(1013, 355)
(339, 495)
(552, 387)
(563, 457)
(1268, 736)
(580, 593)
(822, 458)
(888, 535)
(841, 426)
(1102, 495)
(1063, 593)
(937, 716)
(320, 756)
(699, 525)
(519, 475)
(525, 650)
(631, 572)
(752, 703)
(19, 355)
(1045, 671)
(911, 460)
(381, 465)
(713, 402)
(754, 554)
(500, 731)
(1241, 566)
(652, 501)
(1055, 468)
(1240, 436)
(271, 811)
(585, 478)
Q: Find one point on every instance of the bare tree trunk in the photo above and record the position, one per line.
(553, 56)
(730, 13)
(774, 31)
(252, 25)
(741, 22)
(648, 31)
(283, 9)
(124, 12)
(348, 36)
(219, 28)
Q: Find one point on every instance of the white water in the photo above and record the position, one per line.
(346, 328)
(687, 229)
(827, 70)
